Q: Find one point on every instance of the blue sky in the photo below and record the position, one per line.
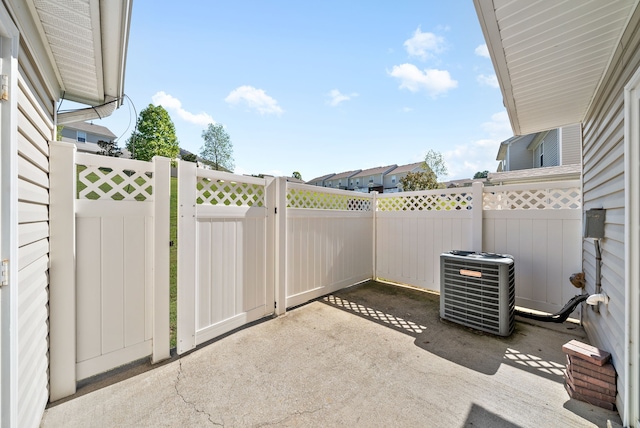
(319, 87)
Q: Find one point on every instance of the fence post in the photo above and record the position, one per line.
(281, 246)
(476, 216)
(186, 338)
(161, 200)
(62, 271)
(374, 209)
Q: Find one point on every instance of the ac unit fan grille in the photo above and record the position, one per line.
(478, 302)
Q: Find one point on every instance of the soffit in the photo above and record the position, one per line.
(86, 43)
(550, 56)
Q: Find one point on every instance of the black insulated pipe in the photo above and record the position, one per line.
(558, 317)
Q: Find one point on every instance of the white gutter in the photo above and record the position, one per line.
(89, 113)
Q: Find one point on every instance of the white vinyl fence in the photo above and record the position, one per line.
(414, 228)
(329, 241)
(539, 224)
(225, 253)
(249, 247)
(114, 283)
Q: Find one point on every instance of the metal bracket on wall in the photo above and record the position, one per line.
(4, 273)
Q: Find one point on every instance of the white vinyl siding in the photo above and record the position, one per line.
(551, 149)
(603, 186)
(35, 129)
(570, 145)
(519, 157)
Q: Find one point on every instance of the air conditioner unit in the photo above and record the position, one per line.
(478, 290)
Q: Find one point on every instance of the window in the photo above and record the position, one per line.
(370, 179)
(82, 137)
(393, 179)
(542, 154)
(339, 183)
(358, 182)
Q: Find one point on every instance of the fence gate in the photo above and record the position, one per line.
(225, 253)
(122, 257)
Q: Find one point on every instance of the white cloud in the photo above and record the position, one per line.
(499, 126)
(254, 99)
(173, 104)
(483, 51)
(407, 109)
(490, 80)
(424, 45)
(464, 160)
(433, 81)
(336, 97)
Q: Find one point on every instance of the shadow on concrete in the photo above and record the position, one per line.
(417, 313)
(480, 417)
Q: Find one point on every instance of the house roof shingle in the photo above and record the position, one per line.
(407, 168)
(91, 128)
(376, 170)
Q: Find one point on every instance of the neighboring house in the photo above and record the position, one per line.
(560, 146)
(320, 181)
(579, 62)
(392, 178)
(86, 136)
(531, 175)
(463, 182)
(370, 180)
(39, 64)
(341, 180)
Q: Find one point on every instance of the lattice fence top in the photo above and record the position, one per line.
(556, 199)
(429, 202)
(95, 182)
(311, 199)
(229, 193)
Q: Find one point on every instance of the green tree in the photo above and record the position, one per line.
(217, 147)
(481, 174)
(109, 148)
(421, 180)
(154, 135)
(434, 161)
(189, 157)
(297, 175)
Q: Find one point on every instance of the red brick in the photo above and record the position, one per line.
(606, 369)
(592, 380)
(589, 393)
(579, 383)
(586, 352)
(591, 400)
(588, 372)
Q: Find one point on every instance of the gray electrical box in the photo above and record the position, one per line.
(594, 223)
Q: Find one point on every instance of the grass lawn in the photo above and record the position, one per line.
(173, 261)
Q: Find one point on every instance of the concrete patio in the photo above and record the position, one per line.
(370, 355)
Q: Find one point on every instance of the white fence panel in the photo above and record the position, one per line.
(540, 225)
(121, 262)
(329, 241)
(414, 228)
(225, 253)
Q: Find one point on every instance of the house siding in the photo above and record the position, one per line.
(551, 149)
(570, 145)
(35, 129)
(519, 157)
(603, 186)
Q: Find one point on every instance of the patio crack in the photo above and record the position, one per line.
(296, 413)
(188, 403)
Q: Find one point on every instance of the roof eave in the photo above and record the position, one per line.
(489, 24)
